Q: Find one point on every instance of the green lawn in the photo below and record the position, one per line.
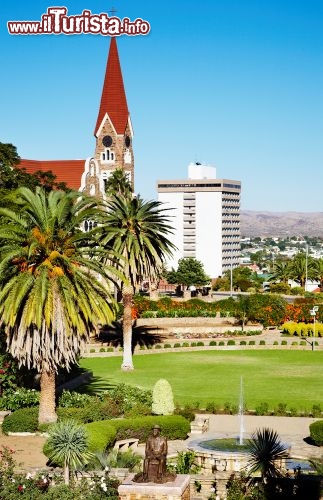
(292, 377)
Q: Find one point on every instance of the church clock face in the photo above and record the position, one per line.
(107, 141)
(127, 141)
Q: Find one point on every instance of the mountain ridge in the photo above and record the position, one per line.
(264, 223)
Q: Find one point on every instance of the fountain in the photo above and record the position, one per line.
(231, 458)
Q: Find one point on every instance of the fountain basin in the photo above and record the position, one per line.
(213, 460)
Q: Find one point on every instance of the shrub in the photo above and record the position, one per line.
(23, 420)
(186, 412)
(185, 344)
(177, 344)
(167, 346)
(275, 342)
(262, 409)
(252, 342)
(92, 349)
(212, 343)
(101, 435)
(231, 342)
(316, 411)
(243, 342)
(294, 343)
(158, 346)
(284, 342)
(110, 349)
(163, 401)
(212, 407)
(302, 342)
(281, 410)
(193, 344)
(230, 408)
(21, 398)
(102, 349)
(200, 343)
(221, 342)
(172, 426)
(262, 342)
(316, 432)
(73, 399)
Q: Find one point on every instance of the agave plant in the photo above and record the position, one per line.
(67, 445)
(266, 450)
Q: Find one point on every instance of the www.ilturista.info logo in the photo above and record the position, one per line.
(56, 21)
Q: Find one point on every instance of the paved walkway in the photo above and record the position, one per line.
(291, 430)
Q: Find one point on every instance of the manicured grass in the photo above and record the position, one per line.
(291, 377)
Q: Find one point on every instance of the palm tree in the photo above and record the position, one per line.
(302, 268)
(281, 271)
(50, 296)
(319, 272)
(137, 231)
(67, 445)
(118, 184)
(266, 450)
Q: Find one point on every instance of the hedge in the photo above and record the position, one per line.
(316, 432)
(22, 420)
(172, 426)
(101, 435)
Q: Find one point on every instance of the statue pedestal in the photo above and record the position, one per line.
(179, 489)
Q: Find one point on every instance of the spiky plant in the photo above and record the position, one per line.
(266, 450)
(67, 445)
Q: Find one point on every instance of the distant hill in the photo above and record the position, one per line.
(281, 224)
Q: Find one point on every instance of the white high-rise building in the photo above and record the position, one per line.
(205, 214)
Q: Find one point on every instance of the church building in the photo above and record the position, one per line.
(113, 133)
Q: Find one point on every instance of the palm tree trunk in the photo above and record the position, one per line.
(66, 473)
(127, 295)
(47, 413)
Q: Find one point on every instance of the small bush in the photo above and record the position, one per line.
(262, 342)
(21, 398)
(252, 342)
(73, 399)
(185, 344)
(212, 407)
(221, 342)
(212, 343)
(110, 349)
(293, 412)
(177, 344)
(199, 343)
(281, 410)
(294, 343)
(316, 432)
(316, 411)
(158, 346)
(23, 420)
(102, 349)
(92, 349)
(275, 342)
(167, 346)
(302, 342)
(243, 342)
(193, 344)
(163, 400)
(262, 409)
(231, 342)
(284, 342)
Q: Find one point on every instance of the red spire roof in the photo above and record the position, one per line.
(113, 99)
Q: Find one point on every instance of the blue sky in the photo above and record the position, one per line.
(237, 84)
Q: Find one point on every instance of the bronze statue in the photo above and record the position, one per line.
(154, 469)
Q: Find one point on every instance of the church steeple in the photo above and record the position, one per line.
(113, 99)
(113, 130)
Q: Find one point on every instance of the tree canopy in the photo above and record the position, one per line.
(189, 272)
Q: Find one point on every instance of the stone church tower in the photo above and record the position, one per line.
(113, 133)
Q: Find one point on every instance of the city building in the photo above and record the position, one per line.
(205, 214)
(113, 133)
